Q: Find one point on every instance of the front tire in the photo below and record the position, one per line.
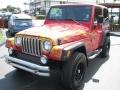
(74, 70)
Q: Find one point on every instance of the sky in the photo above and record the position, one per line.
(20, 3)
(16, 3)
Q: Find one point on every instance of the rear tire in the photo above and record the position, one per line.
(74, 70)
(105, 48)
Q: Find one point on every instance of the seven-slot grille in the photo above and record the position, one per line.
(31, 46)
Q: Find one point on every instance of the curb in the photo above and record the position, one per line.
(115, 34)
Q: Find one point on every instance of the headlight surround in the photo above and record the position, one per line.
(47, 45)
(18, 40)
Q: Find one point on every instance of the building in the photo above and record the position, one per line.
(42, 6)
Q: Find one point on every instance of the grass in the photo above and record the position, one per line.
(1, 37)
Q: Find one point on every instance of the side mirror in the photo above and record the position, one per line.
(95, 24)
(100, 19)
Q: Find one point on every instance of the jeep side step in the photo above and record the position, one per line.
(94, 54)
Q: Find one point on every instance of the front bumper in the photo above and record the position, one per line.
(27, 66)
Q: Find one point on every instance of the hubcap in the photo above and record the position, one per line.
(78, 73)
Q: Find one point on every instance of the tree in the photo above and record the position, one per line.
(11, 9)
(116, 0)
(4, 9)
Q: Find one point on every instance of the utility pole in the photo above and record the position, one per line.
(35, 8)
(104, 1)
(25, 5)
(96, 1)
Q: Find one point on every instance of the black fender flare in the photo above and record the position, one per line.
(69, 50)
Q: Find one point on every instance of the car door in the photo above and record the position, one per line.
(96, 31)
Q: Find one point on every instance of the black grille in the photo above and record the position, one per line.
(31, 46)
(29, 58)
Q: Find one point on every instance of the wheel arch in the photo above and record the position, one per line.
(78, 47)
(82, 49)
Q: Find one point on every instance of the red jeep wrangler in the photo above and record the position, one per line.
(72, 34)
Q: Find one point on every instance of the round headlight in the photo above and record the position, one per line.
(47, 45)
(18, 41)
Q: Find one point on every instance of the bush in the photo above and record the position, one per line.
(1, 36)
(40, 17)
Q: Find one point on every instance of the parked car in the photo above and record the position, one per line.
(0, 21)
(6, 16)
(19, 22)
(1, 16)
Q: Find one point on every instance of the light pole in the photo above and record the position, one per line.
(35, 7)
(104, 1)
(96, 1)
(25, 5)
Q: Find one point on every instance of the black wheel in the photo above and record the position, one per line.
(105, 47)
(74, 70)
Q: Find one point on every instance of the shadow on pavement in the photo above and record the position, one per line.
(20, 80)
(93, 67)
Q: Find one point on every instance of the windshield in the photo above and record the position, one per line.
(78, 13)
(23, 22)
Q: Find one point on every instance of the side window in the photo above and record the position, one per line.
(98, 11)
(105, 13)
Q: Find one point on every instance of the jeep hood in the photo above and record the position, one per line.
(64, 32)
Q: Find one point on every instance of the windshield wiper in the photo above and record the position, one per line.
(76, 21)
